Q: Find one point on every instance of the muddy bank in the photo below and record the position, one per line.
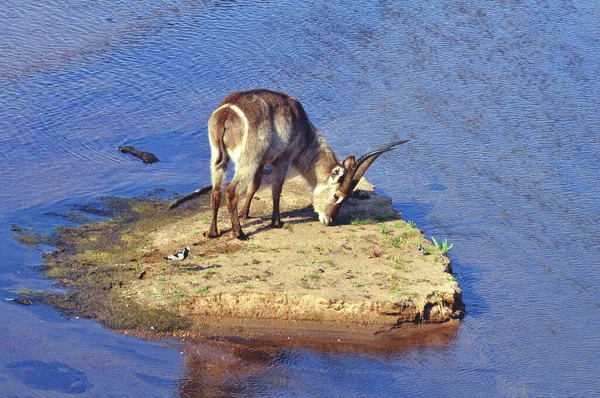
(370, 269)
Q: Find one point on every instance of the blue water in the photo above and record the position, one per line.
(500, 102)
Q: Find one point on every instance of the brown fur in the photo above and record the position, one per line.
(260, 127)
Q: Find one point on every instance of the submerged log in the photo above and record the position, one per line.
(189, 196)
(147, 157)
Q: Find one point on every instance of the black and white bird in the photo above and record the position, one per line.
(180, 256)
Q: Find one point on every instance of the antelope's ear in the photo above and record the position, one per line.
(337, 174)
(348, 162)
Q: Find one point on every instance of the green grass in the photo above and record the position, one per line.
(363, 221)
(325, 248)
(208, 274)
(399, 291)
(314, 276)
(397, 240)
(443, 246)
(203, 291)
(412, 224)
(384, 229)
(359, 285)
(399, 259)
(408, 234)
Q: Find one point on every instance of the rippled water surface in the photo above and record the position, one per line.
(500, 102)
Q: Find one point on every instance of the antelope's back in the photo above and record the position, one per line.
(262, 125)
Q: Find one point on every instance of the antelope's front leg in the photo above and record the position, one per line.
(232, 206)
(279, 173)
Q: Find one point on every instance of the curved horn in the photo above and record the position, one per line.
(359, 168)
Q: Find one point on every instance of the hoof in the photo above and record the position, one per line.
(240, 236)
(211, 235)
(277, 224)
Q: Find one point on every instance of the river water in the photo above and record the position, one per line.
(500, 102)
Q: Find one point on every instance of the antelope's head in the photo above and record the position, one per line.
(328, 198)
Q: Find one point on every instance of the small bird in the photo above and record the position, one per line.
(182, 255)
(422, 249)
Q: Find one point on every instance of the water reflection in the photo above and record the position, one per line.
(285, 362)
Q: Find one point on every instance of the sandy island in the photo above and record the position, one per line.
(365, 273)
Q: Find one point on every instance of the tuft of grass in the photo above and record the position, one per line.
(178, 295)
(408, 234)
(314, 276)
(363, 221)
(359, 285)
(300, 251)
(325, 249)
(384, 229)
(248, 286)
(397, 240)
(399, 261)
(442, 247)
(412, 224)
(208, 274)
(396, 291)
(203, 291)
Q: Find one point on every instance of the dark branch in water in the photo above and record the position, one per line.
(147, 157)
(195, 194)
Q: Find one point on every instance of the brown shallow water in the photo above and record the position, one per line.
(500, 103)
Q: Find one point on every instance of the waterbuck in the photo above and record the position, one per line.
(259, 127)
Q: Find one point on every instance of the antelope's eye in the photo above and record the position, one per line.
(335, 196)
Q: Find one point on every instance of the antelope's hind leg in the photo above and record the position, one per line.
(244, 214)
(218, 174)
(232, 206)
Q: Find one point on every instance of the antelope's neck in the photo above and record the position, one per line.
(316, 162)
